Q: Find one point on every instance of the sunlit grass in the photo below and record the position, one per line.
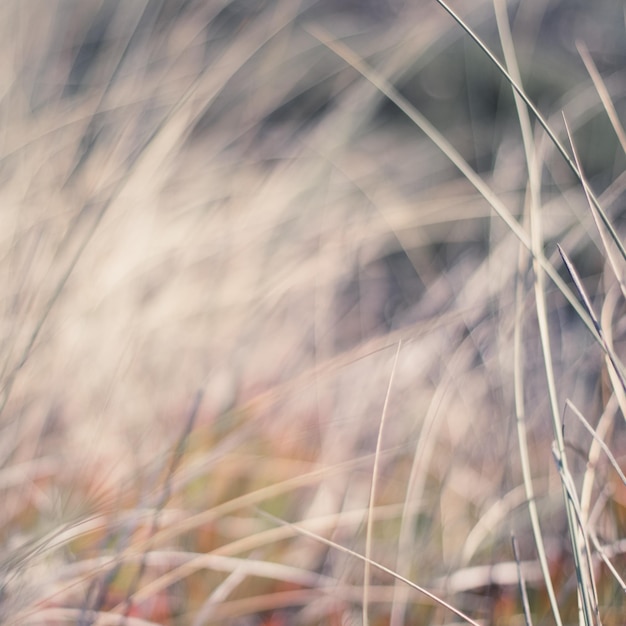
(311, 313)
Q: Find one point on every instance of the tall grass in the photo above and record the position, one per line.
(312, 313)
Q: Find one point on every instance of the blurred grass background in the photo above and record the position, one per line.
(216, 232)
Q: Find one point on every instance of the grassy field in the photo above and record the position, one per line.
(312, 313)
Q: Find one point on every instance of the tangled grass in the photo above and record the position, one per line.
(312, 313)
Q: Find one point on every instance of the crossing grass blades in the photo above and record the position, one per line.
(313, 313)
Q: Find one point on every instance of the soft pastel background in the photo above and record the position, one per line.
(216, 232)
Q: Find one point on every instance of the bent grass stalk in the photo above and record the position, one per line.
(534, 244)
(372, 498)
(532, 203)
(206, 529)
(379, 566)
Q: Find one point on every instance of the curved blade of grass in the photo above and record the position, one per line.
(375, 564)
(603, 93)
(414, 493)
(370, 514)
(580, 542)
(611, 301)
(580, 555)
(542, 121)
(592, 431)
(613, 358)
(619, 273)
(586, 584)
(522, 583)
(531, 243)
(533, 202)
(605, 559)
(455, 158)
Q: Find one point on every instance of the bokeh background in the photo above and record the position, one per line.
(213, 214)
